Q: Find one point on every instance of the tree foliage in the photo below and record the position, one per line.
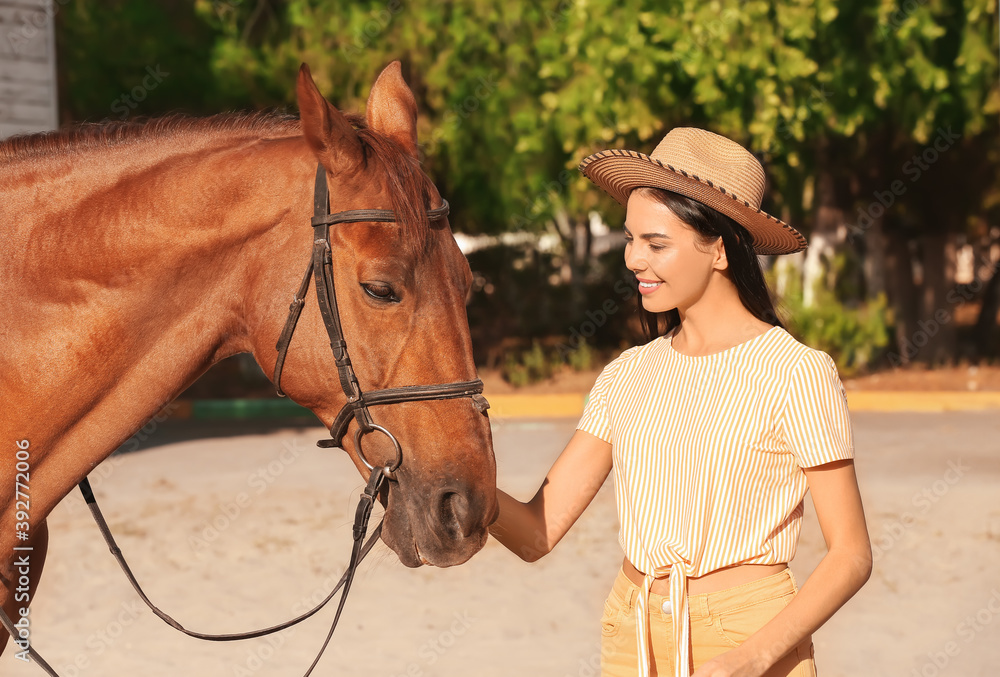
(121, 58)
(835, 96)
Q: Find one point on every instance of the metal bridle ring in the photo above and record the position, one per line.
(389, 472)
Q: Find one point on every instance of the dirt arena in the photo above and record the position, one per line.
(231, 528)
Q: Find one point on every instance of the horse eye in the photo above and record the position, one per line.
(378, 291)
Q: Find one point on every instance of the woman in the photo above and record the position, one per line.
(714, 429)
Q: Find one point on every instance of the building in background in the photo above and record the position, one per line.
(27, 66)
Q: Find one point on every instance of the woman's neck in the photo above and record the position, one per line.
(718, 321)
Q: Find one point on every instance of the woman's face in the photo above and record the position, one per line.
(660, 249)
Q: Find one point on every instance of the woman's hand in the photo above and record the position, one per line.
(733, 663)
(530, 530)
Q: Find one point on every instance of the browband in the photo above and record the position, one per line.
(374, 215)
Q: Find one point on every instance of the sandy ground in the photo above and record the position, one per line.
(282, 529)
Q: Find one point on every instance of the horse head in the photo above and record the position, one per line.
(400, 290)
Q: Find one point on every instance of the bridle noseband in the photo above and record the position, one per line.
(321, 267)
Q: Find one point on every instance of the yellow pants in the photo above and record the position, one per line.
(720, 621)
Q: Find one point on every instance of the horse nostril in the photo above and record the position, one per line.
(454, 514)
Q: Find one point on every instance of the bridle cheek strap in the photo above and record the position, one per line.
(321, 268)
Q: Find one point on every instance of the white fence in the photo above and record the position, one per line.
(27, 66)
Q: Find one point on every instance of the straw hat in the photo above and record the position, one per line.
(703, 166)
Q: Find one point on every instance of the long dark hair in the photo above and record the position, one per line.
(744, 266)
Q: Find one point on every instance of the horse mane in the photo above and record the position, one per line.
(409, 187)
(110, 133)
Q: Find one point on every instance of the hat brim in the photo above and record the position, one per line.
(620, 171)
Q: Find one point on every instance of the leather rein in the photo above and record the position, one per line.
(321, 267)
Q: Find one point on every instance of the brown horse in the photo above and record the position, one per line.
(140, 254)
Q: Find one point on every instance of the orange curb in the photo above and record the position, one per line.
(537, 406)
(571, 405)
(922, 400)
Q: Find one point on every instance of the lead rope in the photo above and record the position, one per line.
(358, 552)
(361, 516)
(9, 627)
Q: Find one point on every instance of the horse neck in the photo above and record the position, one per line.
(127, 283)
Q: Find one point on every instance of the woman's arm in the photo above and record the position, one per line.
(839, 575)
(530, 530)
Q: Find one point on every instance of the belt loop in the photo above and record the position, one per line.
(791, 577)
(633, 595)
(700, 605)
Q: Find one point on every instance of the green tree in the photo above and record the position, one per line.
(843, 99)
(837, 98)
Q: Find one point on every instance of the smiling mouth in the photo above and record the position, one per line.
(647, 287)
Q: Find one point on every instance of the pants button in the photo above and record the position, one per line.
(666, 606)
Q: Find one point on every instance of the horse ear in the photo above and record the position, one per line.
(392, 110)
(327, 131)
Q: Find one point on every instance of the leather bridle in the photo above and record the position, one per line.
(321, 267)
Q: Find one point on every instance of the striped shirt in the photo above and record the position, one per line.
(708, 456)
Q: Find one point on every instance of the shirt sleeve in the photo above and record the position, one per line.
(816, 425)
(596, 419)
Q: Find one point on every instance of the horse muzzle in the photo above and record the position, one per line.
(442, 527)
